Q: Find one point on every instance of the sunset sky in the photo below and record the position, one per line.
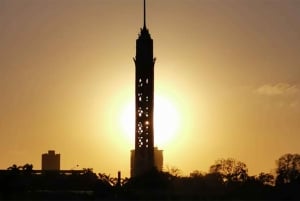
(228, 69)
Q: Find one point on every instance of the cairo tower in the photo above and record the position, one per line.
(143, 156)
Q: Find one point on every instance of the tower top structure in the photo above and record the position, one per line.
(144, 13)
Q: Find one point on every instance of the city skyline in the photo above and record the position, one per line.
(229, 68)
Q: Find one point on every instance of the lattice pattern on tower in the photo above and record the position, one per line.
(143, 119)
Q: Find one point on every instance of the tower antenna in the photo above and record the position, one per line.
(144, 13)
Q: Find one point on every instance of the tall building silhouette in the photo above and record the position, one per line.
(51, 161)
(143, 156)
(158, 160)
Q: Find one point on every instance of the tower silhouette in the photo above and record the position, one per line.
(143, 156)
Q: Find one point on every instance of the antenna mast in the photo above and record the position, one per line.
(144, 13)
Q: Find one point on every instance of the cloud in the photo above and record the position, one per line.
(279, 89)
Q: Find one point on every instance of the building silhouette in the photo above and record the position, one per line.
(50, 161)
(143, 157)
(158, 160)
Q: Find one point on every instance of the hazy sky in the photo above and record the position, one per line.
(231, 68)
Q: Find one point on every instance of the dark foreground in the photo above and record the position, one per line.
(86, 185)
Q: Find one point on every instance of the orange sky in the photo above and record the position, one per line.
(232, 68)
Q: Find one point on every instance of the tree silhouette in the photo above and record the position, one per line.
(265, 178)
(231, 170)
(197, 173)
(107, 179)
(14, 169)
(174, 171)
(27, 169)
(288, 169)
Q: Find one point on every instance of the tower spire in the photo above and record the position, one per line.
(144, 13)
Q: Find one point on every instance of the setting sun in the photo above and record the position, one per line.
(166, 121)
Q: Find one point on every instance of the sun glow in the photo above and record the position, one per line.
(166, 121)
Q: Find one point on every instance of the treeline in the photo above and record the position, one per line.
(227, 179)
